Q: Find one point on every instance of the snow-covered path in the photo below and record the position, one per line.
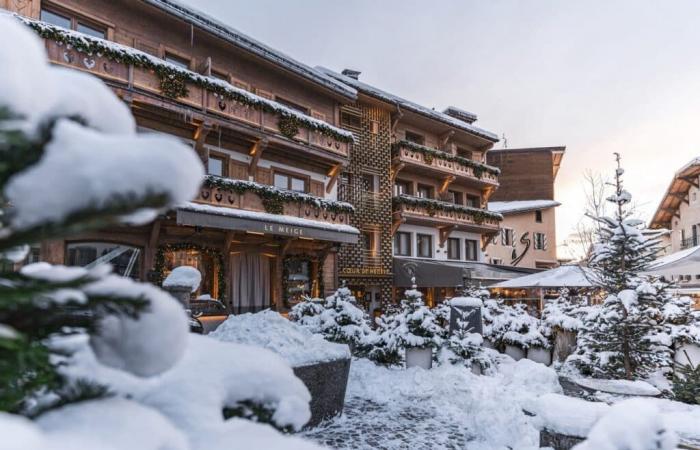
(444, 408)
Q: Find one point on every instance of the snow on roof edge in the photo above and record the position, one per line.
(516, 206)
(254, 46)
(407, 104)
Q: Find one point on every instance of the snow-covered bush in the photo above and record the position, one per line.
(412, 325)
(563, 313)
(466, 347)
(338, 319)
(511, 325)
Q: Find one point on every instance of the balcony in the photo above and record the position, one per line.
(139, 72)
(438, 163)
(421, 211)
(250, 196)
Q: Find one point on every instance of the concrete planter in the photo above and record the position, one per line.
(685, 351)
(326, 381)
(419, 357)
(540, 355)
(515, 352)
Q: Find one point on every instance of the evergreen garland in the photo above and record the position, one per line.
(432, 206)
(273, 197)
(173, 79)
(159, 264)
(289, 126)
(430, 153)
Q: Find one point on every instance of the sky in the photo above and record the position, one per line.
(595, 76)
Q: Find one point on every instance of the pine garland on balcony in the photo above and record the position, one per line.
(173, 79)
(433, 206)
(274, 198)
(430, 153)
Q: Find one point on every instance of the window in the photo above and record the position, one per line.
(538, 216)
(370, 182)
(299, 282)
(292, 105)
(350, 120)
(415, 138)
(402, 244)
(496, 261)
(215, 166)
(471, 250)
(464, 153)
(425, 191)
(176, 60)
(425, 245)
(220, 75)
(455, 197)
(506, 236)
(453, 249)
(370, 241)
(374, 127)
(207, 264)
(402, 188)
(72, 23)
(289, 182)
(91, 30)
(474, 201)
(125, 259)
(55, 19)
(540, 241)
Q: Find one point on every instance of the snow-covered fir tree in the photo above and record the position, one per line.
(625, 337)
(307, 313)
(566, 312)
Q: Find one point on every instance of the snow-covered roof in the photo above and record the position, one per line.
(687, 260)
(411, 106)
(518, 206)
(677, 190)
(245, 42)
(460, 114)
(562, 276)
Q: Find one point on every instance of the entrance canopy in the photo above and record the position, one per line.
(195, 214)
(568, 276)
(431, 273)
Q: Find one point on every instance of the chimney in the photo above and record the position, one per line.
(354, 74)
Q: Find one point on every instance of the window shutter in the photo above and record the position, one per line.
(316, 188)
(238, 170)
(263, 176)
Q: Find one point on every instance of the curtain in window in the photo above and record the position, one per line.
(250, 282)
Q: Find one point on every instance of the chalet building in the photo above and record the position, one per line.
(267, 225)
(678, 218)
(525, 198)
(425, 173)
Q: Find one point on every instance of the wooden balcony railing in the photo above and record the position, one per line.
(443, 163)
(427, 211)
(256, 197)
(147, 80)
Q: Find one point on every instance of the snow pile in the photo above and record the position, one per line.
(184, 276)
(268, 329)
(633, 424)
(466, 302)
(621, 387)
(566, 415)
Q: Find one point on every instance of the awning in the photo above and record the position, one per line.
(207, 216)
(684, 262)
(431, 273)
(572, 276)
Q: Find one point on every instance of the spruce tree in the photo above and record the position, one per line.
(45, 195)
(625, 337)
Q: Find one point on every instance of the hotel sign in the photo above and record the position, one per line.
(362, 271)
(244, 224)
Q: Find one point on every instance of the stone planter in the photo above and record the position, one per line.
(685, 351)
(419, 357)
(515, 352)
(326, 381)
(564, 344)
(540, 355)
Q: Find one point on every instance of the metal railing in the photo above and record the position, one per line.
(689, 242)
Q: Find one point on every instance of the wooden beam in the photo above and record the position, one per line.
(691, 180)
(445, 233)
(445, 139)
(256, 151)
(398, 220)
(285, 247)
(486, 239)
(395, 118)
(228, 242)
(200, 137)
(395, 169)
(334, 174)
(446, 183)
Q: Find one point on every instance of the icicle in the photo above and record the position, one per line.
(191, 35)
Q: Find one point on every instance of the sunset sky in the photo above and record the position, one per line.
(598, 77)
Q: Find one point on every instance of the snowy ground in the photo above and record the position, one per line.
(447, 407)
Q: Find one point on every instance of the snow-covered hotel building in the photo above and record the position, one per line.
(266, 226)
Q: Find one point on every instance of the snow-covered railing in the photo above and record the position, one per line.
(99, 56)
(254, 196)
(439, 210)
(413, 153)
